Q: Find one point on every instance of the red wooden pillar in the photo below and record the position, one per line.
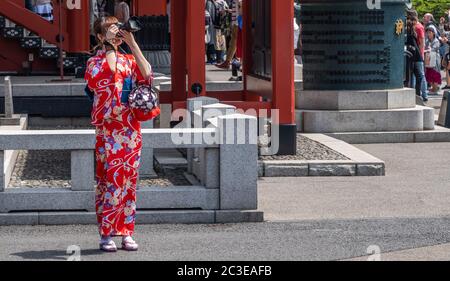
(283, 72)
(178, 49)
(195, 37)
(77, 25)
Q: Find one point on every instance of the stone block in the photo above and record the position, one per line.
(325, 121)
(147, 170)
(375, 137)
(356, 100)
(428, 118)
(170, 157)
(238, 162)
(175, 217)
(216, 110)
(198, 102)
(232, 216)
(82, 170)
(178, 197)
(210, 167)
(19, 219)
(67, 218)
(166, 115)
(322, 170)
(38, 199)
(286, 170)
(370, 170)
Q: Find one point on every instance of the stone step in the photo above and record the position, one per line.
(356, 100)
(439, 134)
(142, 217)
(418, 118)
(170, 157)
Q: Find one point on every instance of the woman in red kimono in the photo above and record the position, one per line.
(118, 132)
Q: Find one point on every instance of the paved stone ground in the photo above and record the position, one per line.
(308, 149)
(406, 214)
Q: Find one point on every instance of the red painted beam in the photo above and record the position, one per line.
(195, 35)
(178, 49)
(31, 21)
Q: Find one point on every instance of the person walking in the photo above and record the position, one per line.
(118, 133)
(418, 80)
(218, 17)
(433, 59)
(232, 46)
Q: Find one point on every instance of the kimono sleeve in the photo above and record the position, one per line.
(138, 78)
(94, 73)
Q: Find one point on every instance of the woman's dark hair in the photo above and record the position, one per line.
(101, 26)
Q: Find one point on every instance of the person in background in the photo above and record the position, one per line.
(122, 11)
(211, 32)
(433, 59)
(418, 80)
(416, 74)
(296, 36)
(232, 46)
(220, 42)
(428, 20)
(446, 59)
(236, 64)
(208, 42)
(443, 38)
(298, 48)
(102, 8)
(44, 8)
(93, 17)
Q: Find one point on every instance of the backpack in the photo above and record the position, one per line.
(217, 16)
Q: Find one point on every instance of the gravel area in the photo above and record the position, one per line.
(308, 149)
(51, 168)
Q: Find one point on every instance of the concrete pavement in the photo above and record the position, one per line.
(406, 215)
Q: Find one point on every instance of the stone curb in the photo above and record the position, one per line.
(360, 163)
(439, 134)
(142, 217)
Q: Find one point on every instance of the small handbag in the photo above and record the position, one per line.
(143, 101)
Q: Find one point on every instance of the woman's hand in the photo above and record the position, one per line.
(112, 32)
(127, 37)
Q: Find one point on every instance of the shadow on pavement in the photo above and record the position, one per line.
(54, 254)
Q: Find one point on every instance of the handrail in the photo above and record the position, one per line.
(35, 23)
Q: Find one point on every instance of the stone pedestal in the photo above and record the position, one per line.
(354, 68)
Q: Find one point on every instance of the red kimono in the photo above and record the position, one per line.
(118, 144)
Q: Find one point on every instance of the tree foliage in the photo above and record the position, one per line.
(437, 7)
